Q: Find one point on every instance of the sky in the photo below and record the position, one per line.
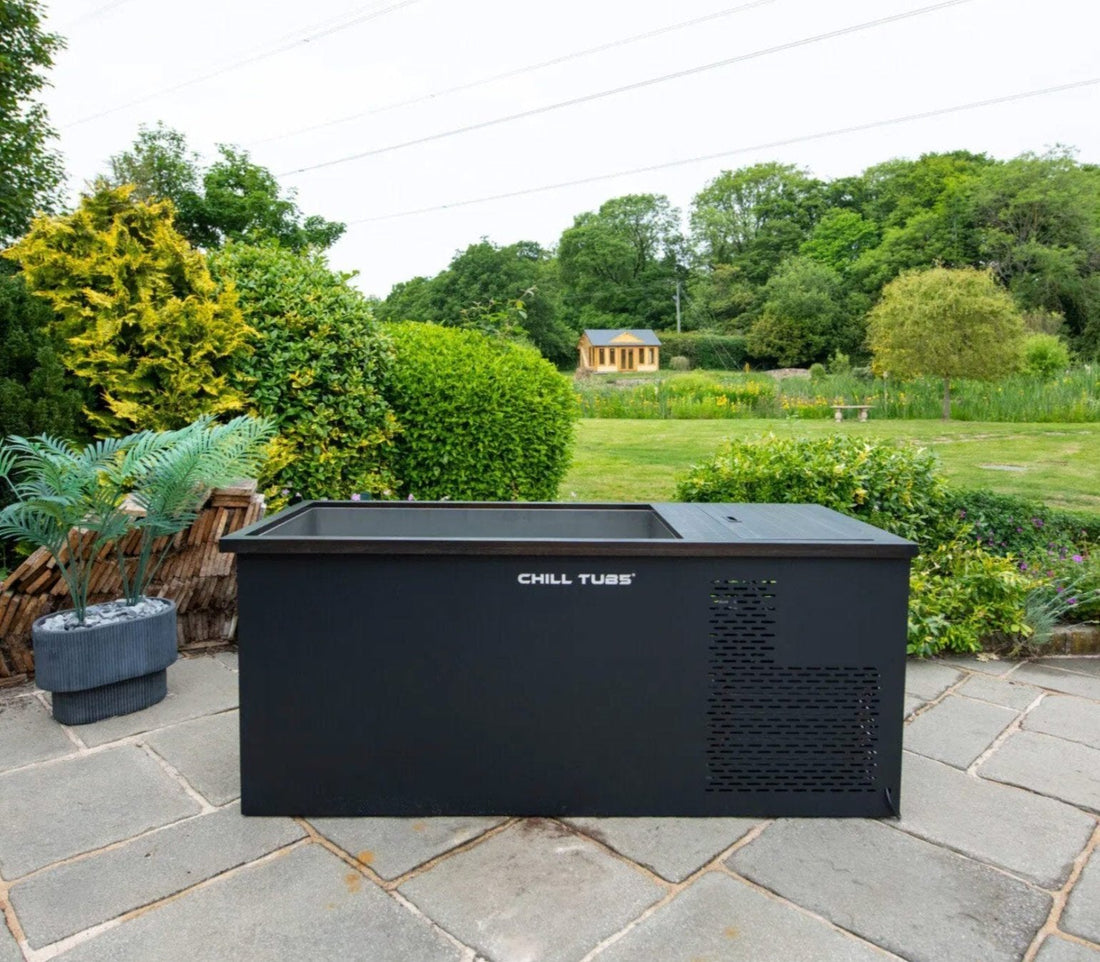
(281, 79)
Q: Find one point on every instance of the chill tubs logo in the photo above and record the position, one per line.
(587, 579)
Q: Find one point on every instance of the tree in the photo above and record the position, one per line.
(37, 394)
(513, 290)
(839, 238)
(948, 324)
(755, 217)
(317, 372)
(803, 316)
(1037, 220)
(620, 265)
(32, 171)
(232, 199)
(137, 315)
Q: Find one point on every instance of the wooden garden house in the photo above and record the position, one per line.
(619, 351)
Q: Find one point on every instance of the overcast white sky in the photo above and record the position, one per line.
(120, 51)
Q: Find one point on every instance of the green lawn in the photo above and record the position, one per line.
(622, 460)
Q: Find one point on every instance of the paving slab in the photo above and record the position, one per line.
(9, 949)
(957, 730)
(987, 666)
(196, 686)
(1035, 837)
(1082, 914)
(306, 904)
(394, 846)
(1075, 663)
(63, 808)
(207, 752)
(68, 898)
(999, 691)
(1048, 765)
(1059, 679)
(929, 679)
(1055, 949)
(29, 734)
(671, 847)
(535, 891)
(915, 899)
(229, 659)
(718, 917)
(912, 703)
(1065, 716)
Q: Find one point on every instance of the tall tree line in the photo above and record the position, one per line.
(793, 262)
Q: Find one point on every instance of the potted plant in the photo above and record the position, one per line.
(111, 659)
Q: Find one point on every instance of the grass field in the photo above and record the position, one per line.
(625, 460)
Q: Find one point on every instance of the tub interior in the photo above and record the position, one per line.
(438, 522)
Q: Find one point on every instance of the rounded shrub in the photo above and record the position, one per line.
(1045, 355)
(481, 418)
(679, 363)
(316, 372)
(895, 486)
(817, 371)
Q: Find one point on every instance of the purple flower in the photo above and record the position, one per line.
(410, 498)
(1038, 522)
(1077, 559)
(1023, 566)
(1071, 601)
(356, 497)
(962, 514)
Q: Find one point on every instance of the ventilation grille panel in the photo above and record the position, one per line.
(777, 728)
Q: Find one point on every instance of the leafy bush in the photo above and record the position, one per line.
(817, 371)
(1045, 355)
(961, 597)
(317, 372)
(894, 486)
(37, 394)
(138, 316)
(716, 352)
(1006, 524)
(679, 363)
(481, 418)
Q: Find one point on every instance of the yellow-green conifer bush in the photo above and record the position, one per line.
(137, 315)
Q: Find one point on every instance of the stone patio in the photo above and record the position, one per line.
(123, 840)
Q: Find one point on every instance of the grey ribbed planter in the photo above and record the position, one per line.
(105, 670)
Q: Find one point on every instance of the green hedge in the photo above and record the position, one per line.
(892, 485)
(716, 352)
(481, 418)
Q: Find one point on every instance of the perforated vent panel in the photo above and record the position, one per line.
(777, 728)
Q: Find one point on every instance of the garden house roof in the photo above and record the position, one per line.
(614, 337)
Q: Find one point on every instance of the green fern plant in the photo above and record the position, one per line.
(173, 482)
(61, 488)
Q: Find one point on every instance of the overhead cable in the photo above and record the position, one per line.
(770, 145)
(246, 61)
(638, 85)
(518, 71)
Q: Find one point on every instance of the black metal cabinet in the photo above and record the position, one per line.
(568, 660)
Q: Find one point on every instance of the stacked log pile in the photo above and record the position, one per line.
(200, 579)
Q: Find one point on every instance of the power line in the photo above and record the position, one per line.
(508, 74)
(94, 14)
(806, 138)
(324, 29)
(587, 98)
